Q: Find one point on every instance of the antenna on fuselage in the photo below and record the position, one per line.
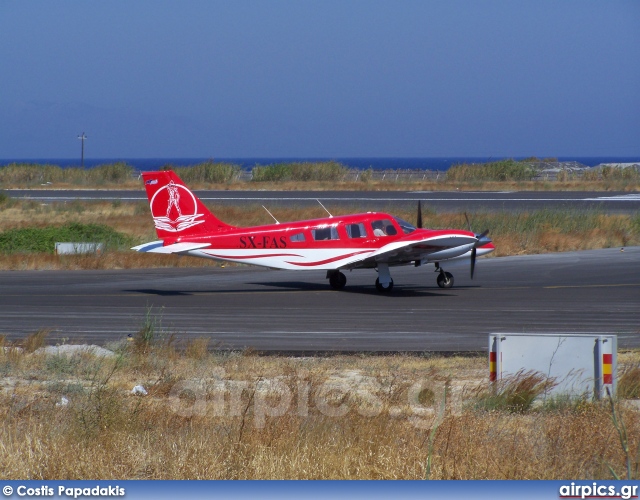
(277, 221)
(325, 208)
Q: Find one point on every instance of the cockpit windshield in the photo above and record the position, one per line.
(406, 227)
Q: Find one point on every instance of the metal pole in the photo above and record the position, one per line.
(82, 138)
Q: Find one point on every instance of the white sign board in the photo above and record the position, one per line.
(580, 364)
(78, 248)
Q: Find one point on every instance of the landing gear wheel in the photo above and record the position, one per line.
(337, 281)
(383, 289)
(445, 280)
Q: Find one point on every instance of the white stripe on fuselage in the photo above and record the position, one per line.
(306, 258)
(288, 258)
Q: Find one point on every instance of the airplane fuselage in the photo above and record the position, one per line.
(368, 240)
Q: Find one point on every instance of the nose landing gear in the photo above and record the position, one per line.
(444, 280)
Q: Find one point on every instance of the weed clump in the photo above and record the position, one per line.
(629, 383)
(514, 394)
(147, 336)
(35, 340)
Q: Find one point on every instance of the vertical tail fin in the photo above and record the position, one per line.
(176, 211)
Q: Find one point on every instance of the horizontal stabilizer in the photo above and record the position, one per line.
(157, 247)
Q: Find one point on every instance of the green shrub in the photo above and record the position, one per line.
(272, 173)
(36, 239)
(209, 172)
(59, 364)
(300, 171)
(113, 173)
(506, 170)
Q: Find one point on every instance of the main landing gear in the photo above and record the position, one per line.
(337, 280)
(384, 282)
(445, 280)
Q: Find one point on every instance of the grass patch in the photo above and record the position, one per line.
(30, 174)
(222, 415)
(498, 175)
(25, 243)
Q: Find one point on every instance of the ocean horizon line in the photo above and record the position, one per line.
(363, 163)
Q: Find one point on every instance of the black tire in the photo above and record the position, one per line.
(337, 281)
(381, 288)
(445, 281)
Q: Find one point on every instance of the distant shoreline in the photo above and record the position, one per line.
(375, 163)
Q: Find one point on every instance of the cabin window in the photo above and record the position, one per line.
(356, 230)
(383, 227)
(325, 233)
(297, 237)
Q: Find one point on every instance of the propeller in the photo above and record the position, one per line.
(481, 240)
(419, 222)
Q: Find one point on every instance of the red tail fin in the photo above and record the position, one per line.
(176, 211)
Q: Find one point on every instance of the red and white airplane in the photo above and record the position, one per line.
(363, 241)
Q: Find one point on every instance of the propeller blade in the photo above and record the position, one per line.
(419, 222)
(473, 261)
(482, 235)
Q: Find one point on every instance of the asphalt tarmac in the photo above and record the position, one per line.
(297, 312)
(440, 201)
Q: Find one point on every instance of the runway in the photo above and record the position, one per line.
(297, 312)
(439, 201)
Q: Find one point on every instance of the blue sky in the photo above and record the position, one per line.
(324, 78)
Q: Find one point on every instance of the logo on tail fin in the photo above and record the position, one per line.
(173, 210)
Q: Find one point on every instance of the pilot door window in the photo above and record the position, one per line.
(383, 227)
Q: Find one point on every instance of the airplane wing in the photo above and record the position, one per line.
(431, 248)
(178, 248)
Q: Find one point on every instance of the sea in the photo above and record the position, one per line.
(439, 163)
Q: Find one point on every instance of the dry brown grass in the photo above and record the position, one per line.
(377, 185)
(514, 233)
(181, 431)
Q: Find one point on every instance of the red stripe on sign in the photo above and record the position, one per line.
(493, 375)
(607, 361)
